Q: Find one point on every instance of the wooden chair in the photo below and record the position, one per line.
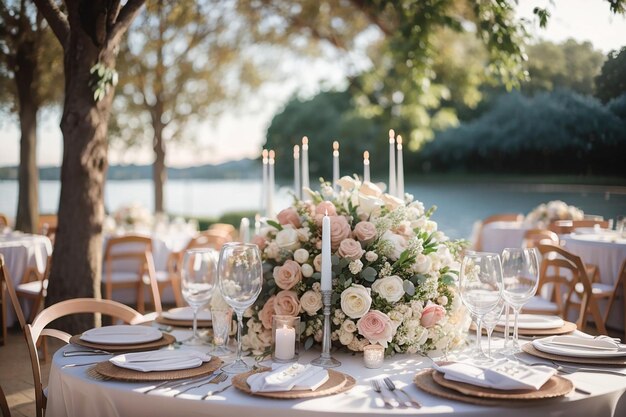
(4, 220)
(47, 222)
(228, 230)
(7, 287)
(34, 288)
(128, 263)
(564, 270)
(534, 237)
(503, 217)
(64, 308)
(562, 227)
(602, 291)
(4, 405)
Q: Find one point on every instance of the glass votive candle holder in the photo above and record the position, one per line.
(285, 338)
(221, 322)
(373, 356)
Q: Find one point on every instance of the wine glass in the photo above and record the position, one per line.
(520, 269)
(240, 273)
(198, 280)
(490, 320)
(480, 287)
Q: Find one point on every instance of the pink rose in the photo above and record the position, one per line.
(350, 249)
(266, 313)
(289, 216)
(288, 275)
(432, 314)
(365, 232)
(339, 230)
(326, 208)
(259, 241)
(287, 303)
(376, 327)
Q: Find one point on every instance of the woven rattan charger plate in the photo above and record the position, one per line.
(531, 350)
(109, 370)
(424, 380)
(182, 323)
(167, 339)
(337, 383)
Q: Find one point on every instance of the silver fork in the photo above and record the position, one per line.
(70, 353)
(376, 387)
(179, 383)
(392, 387)
(215, 380)
(211, 393)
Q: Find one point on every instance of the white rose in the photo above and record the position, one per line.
(317, 263)
(370, 189)
(355, 266)
(418, 206)
(311, 302)
(356, 301)
(371, 256)
(392, 202)
(399, 244)
(307, 270)
(368, 205)
(422, 264)
(272, 250)
(346, 338)
(348, 326)
(347, 183)
(304, 234)
(301, 255)
(327, 191)
(390, 288)
(287, 239)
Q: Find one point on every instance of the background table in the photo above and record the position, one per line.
(71, 392)
(499, 235)
(22, 251)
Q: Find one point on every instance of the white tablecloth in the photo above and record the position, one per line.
(22, 251)
(499, 235)
(72, 393)
(607, 252)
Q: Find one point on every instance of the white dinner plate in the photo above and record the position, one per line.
(545, 345)
(185, 313)
(534, 321)
(121, 335)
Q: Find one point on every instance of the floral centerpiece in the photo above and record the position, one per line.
(543, 214)
(394, 273)
(133, 215)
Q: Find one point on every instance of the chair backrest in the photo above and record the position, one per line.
(501, 217)
(46, 222)
(208, 239)
(4, 406)
(534, 237)
(225, 228)
(562, 268)
(65, 308)
(4, 220)
(5, 280)
(568, 226)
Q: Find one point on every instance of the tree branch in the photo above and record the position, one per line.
(113, 13)
(56, 19)
(126, 16)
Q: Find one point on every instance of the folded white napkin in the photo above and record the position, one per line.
(121, 334)
(185, 313)
(504, 376)
(289, 377)
(583, 342)
(160, 360)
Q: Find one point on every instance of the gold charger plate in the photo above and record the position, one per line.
(109, 370)
(566, 328)
(555, 387)
(531, 350)
(167, 339)
(337, 383)
(182, 323)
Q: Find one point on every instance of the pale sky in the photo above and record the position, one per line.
(239, 133)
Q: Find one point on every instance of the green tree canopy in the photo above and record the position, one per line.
(611, 82)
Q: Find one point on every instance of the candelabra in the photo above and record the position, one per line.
(325, 360)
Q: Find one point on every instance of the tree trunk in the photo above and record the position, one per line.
(77, 263)
(159, 171)
(27, 218)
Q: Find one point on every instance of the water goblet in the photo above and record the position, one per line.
(240, 282)
(198, 280)
(520, 269)
(480, 287)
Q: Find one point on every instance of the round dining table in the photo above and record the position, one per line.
(76, 391)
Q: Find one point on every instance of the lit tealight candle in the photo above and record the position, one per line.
(392, 163)
(366, 166)
(336, 165)
(285, 343)
(296, 172)
(373, 356)
(400, 184)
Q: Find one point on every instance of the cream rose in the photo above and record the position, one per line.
(370, 189)
(317, 263)
(392, 202)
(307, 270)
(376, 327)
(365, 232)
(311, 302)
(346, 338)
(266, 313)
(289, 216)
(422, 264)
(399, 244)
(347, 183)
(301, 255)
(368, 205)
(356, 301)
(350, 249)
(288, 275)
(287, 239)
(339, 230)
(287, 303)
(390, 288)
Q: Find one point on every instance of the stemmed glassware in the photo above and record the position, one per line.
(198, 280)
(240, 282)
(490, 320)
(520, 268)
(480, 286)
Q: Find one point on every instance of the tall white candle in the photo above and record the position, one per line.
(264, 187)
(270, 195)
(285, 348)
(296, 172)
(327, 279)
(336, 165)
(305, 164)
(400, 183)
(392, 163)
(257, 224)
(366, 166)
(244, 230)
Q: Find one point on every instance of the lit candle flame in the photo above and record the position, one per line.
(399, 141)
(392, 134)
(305, 143)
(296, 151)
(366, 156)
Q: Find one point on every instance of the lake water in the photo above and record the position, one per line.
(459, 205)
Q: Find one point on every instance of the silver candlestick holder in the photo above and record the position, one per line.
(325, 360)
